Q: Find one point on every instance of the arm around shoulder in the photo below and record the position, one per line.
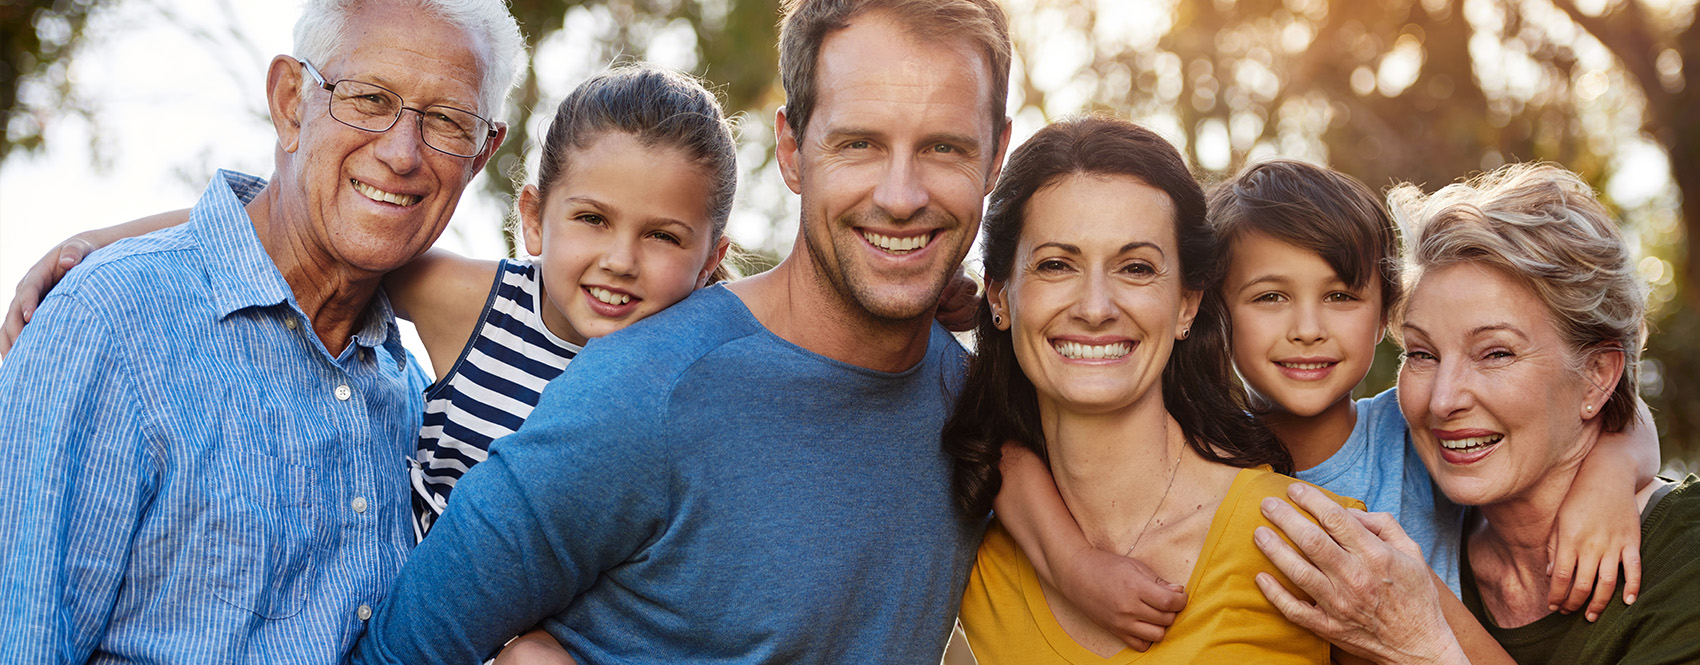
(443, 294)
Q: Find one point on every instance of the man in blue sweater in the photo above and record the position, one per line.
(754, 475)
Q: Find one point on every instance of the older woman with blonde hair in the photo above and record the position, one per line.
(1522, 330)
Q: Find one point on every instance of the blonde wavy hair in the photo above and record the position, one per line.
(1543, 226)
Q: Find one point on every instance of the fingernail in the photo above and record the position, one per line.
(1552, 608)
(1269, 503)
(1262, 535)
(1176, 587)
(1549, 569)
(1629, 599)
(1296, 489)
(1593, 616)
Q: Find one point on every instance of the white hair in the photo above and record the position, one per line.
(323, 25)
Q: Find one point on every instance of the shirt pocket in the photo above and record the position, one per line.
(262, 556)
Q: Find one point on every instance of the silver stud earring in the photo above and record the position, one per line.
(1186, 333)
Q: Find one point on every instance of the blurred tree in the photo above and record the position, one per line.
(37, 40)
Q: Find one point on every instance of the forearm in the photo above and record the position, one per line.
(1030, 508)
(1478, 646)
(1631, 454)
(102, 237)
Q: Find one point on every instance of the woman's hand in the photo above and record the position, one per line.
(37, 282)
(1374, 596)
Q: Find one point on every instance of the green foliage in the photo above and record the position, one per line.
(37, 40)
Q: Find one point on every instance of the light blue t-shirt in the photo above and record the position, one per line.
(1379, 466)
(696, 489)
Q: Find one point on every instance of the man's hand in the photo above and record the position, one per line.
(1374, 596)
(959, 304)
(40, 279)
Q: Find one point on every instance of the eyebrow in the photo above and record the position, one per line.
(1075, 249)
(1476, 331)
(966, 141)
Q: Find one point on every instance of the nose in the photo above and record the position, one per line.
(1450, 394)
(1306, 324)
(619, 257)
(1095, 306)
(901, 192)
(402, 147)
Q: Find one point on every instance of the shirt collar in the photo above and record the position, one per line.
(242, 274)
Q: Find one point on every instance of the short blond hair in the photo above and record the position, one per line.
(1544, 226)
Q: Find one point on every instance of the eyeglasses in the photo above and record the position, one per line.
(374, 108)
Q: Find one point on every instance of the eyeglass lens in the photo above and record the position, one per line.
(372, 108)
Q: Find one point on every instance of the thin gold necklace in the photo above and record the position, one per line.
(1174, 470)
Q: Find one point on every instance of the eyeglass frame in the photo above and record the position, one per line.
(329, 87)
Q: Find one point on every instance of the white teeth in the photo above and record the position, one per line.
(609, 297)
(1471, 442)
(376, 194)
(897, 245)
(1305, 365)
(1078, 351)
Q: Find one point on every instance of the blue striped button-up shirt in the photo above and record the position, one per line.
(186, 474)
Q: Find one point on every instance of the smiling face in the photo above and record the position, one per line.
(374, 201)
(1303, 338)
(1095, 301)
(1487, 387)
(897, 157)
(623, 234)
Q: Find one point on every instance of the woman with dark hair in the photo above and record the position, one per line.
(1103, 350)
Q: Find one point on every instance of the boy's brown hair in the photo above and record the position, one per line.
(1317, 209)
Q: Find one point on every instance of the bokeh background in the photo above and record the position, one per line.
(112, 109)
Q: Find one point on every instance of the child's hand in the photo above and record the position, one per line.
(1122, 595)
(1593, 534)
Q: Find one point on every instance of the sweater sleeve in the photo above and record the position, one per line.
(581, 487)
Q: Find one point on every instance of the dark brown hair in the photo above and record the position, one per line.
(808, 22)
(1323, 211)
(660, 108)
(998, 403)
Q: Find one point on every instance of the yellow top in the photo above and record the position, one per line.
(1007, 620)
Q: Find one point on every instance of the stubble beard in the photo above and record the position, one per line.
(844, 278)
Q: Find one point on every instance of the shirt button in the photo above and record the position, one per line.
(364, 612)
(343, 392)
(290, 323)
(358, 504)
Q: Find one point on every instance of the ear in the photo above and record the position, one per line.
(531, 219)
(714, 259)
(1189, 311)
(285, 100)
(999, 304)
(997, 160)
(490, 150)
(785, 150)
(1603, 369)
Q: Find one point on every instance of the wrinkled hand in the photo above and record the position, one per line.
(36, 283)
(959, 304)
(1122, 595)
(1374, 596)
(1592, 535)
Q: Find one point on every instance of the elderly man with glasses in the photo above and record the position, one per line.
(203, 429)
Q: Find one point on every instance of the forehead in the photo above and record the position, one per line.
(877, 72)
(1255, 254)
(412, 52)
(1095, 212)
(1465, 297)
